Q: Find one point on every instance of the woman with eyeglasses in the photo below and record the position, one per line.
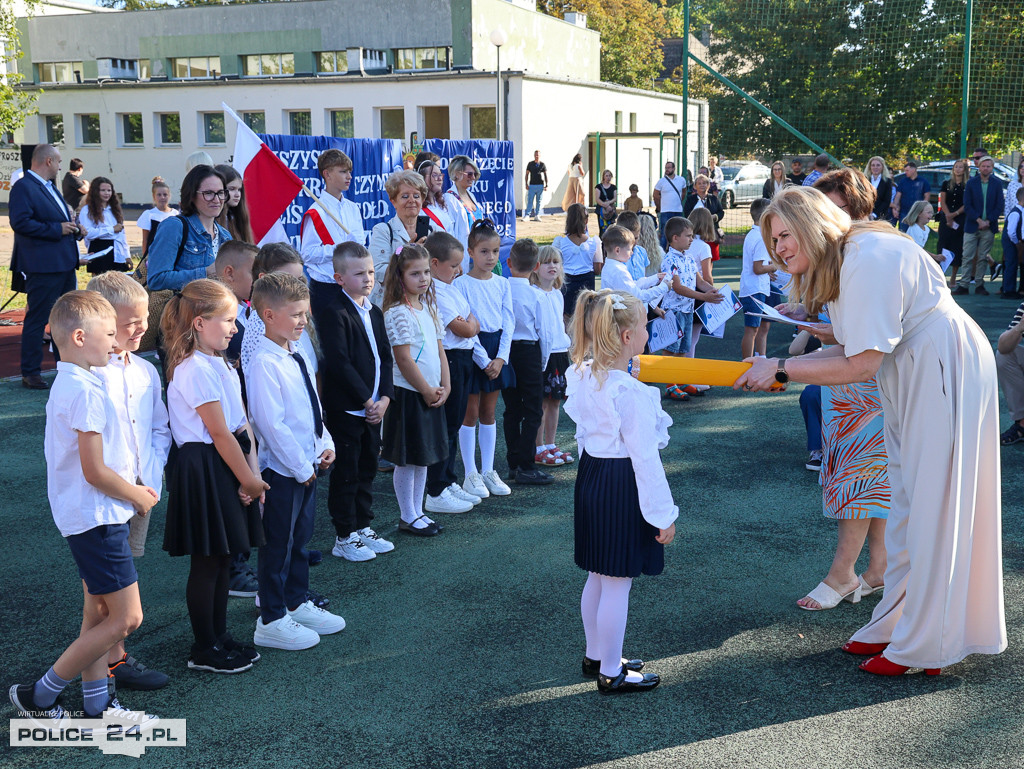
(465, 209)
(434, 205)
(185, 247)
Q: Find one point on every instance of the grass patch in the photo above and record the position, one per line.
(18, 303)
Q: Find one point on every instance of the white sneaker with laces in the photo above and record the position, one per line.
(352, 548)
(460, 493)
(495, 485)
(286, 634)
(133, 722)
(475, 485)
(374, 542)
(318, 620)
(445, 502)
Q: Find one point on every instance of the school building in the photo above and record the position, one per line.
(134, 93)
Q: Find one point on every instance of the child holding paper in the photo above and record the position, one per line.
(755, 284)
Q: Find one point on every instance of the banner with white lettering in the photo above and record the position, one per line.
(494, 190)
(373, 160)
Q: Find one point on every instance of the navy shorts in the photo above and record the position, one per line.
(751, 321)
(104, 558)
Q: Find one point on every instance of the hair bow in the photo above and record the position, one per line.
(618, 303)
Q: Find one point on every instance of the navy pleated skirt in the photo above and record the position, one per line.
(491, 340)
(612, 537)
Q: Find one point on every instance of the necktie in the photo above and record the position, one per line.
(318, 418)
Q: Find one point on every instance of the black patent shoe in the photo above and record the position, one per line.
(427, 531)
(619, 684)
(591, 668)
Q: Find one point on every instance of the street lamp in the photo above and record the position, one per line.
(498, 38)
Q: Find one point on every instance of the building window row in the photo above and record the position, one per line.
(60, 72)
(195, 67)
(268, 65)
(410, 59)
(332, 61)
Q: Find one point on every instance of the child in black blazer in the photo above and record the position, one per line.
(357, 387)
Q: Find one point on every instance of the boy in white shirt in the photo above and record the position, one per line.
(233, 266)
(755, 283)
(524, 401)
(294, 449)
(134, 387)
(93, 494)
(617, 244)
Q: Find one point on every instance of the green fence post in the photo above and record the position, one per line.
(966, 98)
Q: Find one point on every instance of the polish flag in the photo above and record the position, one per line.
(270, 185)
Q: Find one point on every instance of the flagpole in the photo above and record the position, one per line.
(326, 210)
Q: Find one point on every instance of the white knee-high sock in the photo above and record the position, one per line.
(611, 622)
(488, 438)
(588, 609)
(404, 478)
(419, 486)
(467, 447)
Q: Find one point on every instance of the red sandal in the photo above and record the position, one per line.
(856, 647)
(880, 666)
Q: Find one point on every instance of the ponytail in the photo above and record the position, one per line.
(597, 325)
(482, 229)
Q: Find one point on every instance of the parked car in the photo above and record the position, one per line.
(938, 172)
(742, 184)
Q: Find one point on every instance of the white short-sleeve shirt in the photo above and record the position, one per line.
(419, 330)
(200, 379)
(452, 304)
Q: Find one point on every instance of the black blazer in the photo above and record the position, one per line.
(883, 197)
(346, 370)
(768, 190)
(711, 203)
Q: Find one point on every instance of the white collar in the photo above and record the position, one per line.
(364, 308)
(77, 371)
(266, 343)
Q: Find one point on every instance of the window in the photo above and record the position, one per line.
(300, 123)
(670, 117)
(88, 130)
(213, 128)
(374, 59)
(60, 72)
(268, 64)
(421, 58)
(195, 67)
(131, 129)
(392, 123)
(257, 121)
(632, 122)
(342, 124)
(482, 123)
(170, 128)
(618, 122)
(332, 61)
(54, 128)
(144, 69)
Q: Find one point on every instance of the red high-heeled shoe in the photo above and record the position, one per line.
(879, 665)
(856, 647)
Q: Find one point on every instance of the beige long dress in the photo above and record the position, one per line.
(943, 593)
(574, 190)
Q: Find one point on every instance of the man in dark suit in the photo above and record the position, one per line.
(45, 251)
(357, 385)
(983, 203)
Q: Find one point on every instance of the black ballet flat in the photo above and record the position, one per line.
(429, 531)
(619, 684)
(591, 668)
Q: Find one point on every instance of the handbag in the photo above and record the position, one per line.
(157, 299)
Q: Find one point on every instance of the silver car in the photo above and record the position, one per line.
(742, 184)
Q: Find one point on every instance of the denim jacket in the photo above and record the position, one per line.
(197, 254)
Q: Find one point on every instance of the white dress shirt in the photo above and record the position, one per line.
(256, 329)
(1013, 222)
(104, 230)
(364, 315)
(318, 256)
(134, 387)
(617, 416)
(78, 403)
(200, 379)
(452, 304)
(52, 189)
(552, 325)
(578, 259)
(282, 412)
(615, 275)
(491, 301)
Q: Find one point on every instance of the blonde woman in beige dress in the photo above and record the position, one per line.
(574, 190)
(893, 315)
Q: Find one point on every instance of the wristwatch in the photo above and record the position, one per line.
(780, 375)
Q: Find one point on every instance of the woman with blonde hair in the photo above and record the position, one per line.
(892, 315)
(951, 223)
(465, 210)
(649, 240)
(877, 173)
(776, 182)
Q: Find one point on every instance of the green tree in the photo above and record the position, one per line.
(15, 105)
(132, 5)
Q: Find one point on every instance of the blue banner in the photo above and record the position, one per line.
(373, 160)
(494, 190)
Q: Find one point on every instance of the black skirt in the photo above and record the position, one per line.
(490, 341)
(413, 433)
(554, 376)
(204, 514)
(612, 537)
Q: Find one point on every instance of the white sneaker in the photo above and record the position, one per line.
(374, 541)
(536, 218)
(352, 548)
(286, 634)
(445, 502)
(495, 485)
(460, 493)
(318, 620)
(132, 721)
(475, 485)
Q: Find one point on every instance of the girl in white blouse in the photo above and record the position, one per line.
(213, 482)
(624, 513)
(414, 434)
(151, 217)
(917, 226)
(103, 224)
(548, 278)
(490, 297)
